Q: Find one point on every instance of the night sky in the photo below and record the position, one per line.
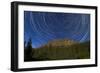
(42, 27)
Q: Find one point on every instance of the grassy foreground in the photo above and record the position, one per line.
(75, 51)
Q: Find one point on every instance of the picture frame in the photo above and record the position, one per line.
(57, 16)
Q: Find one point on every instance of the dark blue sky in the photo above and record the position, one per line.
(42, 27)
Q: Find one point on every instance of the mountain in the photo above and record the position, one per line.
(60, 43)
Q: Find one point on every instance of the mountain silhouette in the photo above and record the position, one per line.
(60, 43)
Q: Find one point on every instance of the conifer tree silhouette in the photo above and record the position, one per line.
(28, 50)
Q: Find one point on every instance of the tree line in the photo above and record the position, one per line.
(28, 51)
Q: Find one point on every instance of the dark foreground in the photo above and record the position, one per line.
(76, 51)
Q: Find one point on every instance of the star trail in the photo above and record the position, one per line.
(42, 27)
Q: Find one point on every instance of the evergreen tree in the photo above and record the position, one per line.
(29, 50)
(24, 44)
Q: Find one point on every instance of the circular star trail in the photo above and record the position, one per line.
(45, 26)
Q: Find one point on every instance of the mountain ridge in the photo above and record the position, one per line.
(60, 43)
